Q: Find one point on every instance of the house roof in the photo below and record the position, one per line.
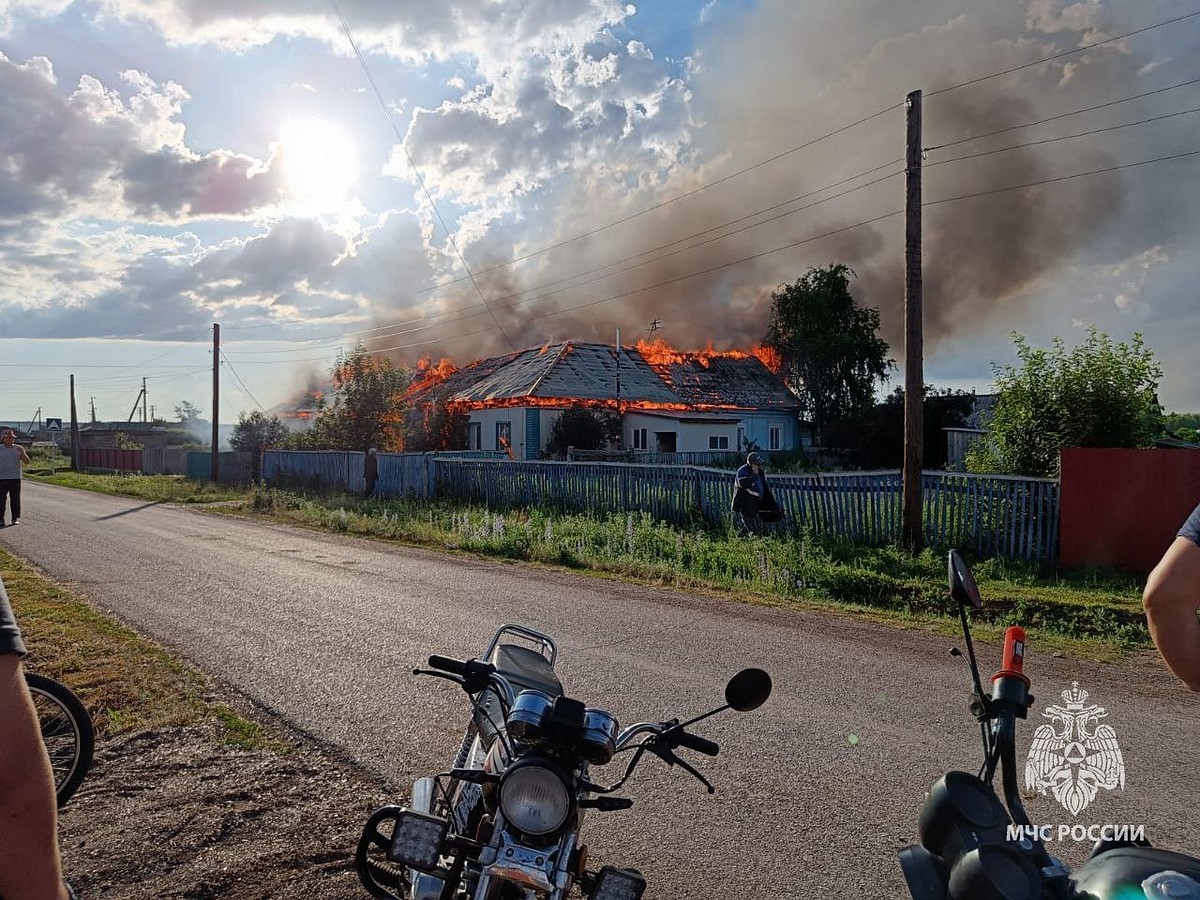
(724, 382)
(571, 371)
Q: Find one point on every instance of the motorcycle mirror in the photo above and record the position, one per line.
(748, 689)
(962, 583)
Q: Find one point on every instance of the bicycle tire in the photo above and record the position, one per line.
(67, 732)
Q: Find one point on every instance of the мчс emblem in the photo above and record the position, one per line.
(1074, 757)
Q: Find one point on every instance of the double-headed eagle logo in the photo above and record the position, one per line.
(1074, 757)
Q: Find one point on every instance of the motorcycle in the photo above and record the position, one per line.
(504, 822)
(968, 837)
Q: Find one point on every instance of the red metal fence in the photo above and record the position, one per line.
(110, 458)
(1121, 508)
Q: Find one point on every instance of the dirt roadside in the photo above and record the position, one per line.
(177, 812)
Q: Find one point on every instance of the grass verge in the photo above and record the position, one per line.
(1089, 613)
(161, 488)
(1095, 614)
(125, 681)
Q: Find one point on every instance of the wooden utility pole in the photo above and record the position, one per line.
(74, 430)
(216, 429)
(914, 340)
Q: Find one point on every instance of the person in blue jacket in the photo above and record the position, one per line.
(750, 493)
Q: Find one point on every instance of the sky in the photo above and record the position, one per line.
(465, 178)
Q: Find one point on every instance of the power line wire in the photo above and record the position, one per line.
(1045, 59)
(670, 200)
(1016, 187)
(239, 381)
(1064, 137)
(427, 322)
(711, 269)
(1074, 112)
(420, 178)
(794, 244)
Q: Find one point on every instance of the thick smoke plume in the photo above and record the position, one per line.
(795, 72)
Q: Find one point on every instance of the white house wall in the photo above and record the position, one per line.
(488, 419)
(692, 437)
(518, 418)
(757, 427)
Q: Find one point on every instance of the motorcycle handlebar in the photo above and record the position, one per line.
(699, 744)
(446, 664)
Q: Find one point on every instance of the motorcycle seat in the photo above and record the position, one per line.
(525, 669)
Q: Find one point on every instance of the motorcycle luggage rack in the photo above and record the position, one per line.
(541, 643)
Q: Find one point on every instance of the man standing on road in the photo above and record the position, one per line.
(1171, 600)
(12, 456)
(30, 867)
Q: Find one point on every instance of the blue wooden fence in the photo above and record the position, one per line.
(994, 515)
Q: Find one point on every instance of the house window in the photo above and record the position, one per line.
(639, 439)
(718, 442)
(775, 443)
(475, 436)
(741, 437)
(503, 436)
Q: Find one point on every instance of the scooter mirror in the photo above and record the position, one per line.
(962, 583)
(748, 689)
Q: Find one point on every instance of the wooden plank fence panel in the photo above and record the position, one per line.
(994, 515)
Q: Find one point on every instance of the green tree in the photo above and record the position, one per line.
(1184, 426)
(254, 433)
(831, 353)
(187, 412)
(367, 409)
(583, 429)
(877, 434)
(1099, 394)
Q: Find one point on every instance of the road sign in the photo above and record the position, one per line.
(54, 424)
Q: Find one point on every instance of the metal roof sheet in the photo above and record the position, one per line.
(728, 382)
(587, 371)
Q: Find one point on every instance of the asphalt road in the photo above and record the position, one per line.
(815, 791)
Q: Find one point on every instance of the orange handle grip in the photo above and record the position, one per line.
(1014, 651)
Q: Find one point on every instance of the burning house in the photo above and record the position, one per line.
(668, 401)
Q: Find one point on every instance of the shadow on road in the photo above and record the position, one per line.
(126, 512)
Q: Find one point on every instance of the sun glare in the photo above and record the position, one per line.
(318, 163)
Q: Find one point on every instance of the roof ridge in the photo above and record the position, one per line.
(546, 371)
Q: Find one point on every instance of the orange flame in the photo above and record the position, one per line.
(661, 354)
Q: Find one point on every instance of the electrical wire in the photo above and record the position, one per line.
(1065, 53)
(675, 199)
(793, 244)
(420, 178)
(1054, 118)
(442, 318)
(1045, 181)
(245, 389)
(1064, 137)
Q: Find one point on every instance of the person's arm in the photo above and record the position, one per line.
(23, 454)
(1171, 600)
(30, 867)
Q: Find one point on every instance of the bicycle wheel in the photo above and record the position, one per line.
(66, 731)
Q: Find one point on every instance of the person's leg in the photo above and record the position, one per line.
(5, 486)
(15, 500)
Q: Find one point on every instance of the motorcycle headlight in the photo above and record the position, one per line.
(534, 799)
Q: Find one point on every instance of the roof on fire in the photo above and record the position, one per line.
(584, 371)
